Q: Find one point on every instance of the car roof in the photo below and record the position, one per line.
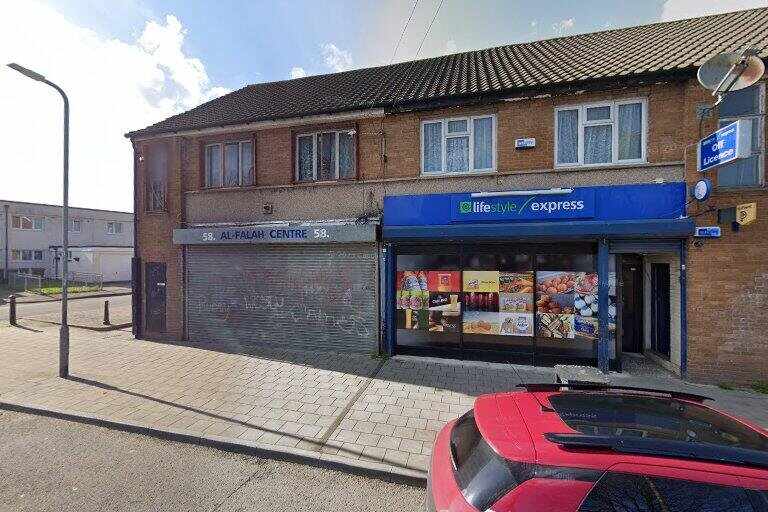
(520, 426)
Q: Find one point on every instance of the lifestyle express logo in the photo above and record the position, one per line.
(509, 207)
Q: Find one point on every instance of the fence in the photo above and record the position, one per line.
(78, 282)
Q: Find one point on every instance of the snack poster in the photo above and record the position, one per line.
(481, 281)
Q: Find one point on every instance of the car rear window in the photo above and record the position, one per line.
(616, 414)
(620, 492)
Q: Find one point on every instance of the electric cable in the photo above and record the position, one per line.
(413, 9)
(429, 27)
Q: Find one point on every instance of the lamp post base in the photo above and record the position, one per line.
(64, 351)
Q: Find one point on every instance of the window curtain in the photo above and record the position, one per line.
(346, 155)
(326, 157)
(598, 142)
(305, 159)
(246, 149)
(630, 131)
(213, 166)
(231, 165)
(483, 141)
(457, 154)
(432, 144)
(158, 168)
(568, 136)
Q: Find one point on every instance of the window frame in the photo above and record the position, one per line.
(614, 122)
(72, 225)
(761, 119)
(31, 218)
(35, 252)
(221, 144)
(315, 145)
(470, 133)
(114, 230)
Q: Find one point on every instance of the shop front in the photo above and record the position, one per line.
(299, 286)
(526, 276)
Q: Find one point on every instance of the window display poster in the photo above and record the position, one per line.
(480, 281)
(516, 324)
(516, 282)
(516, 302)
(444, 281)
(444, 321)
(555, 326)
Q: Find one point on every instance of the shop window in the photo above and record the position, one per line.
(326, 156)
(157, 177)
(747, 104)
(27, 223)
(229, 164)
(458, 145)
(601, 134)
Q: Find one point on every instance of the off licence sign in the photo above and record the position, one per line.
(725, 145)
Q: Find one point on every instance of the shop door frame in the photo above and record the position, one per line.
(660, 310)
(535, 357)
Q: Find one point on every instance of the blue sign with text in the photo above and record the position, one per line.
(579, 204)
(725, 145)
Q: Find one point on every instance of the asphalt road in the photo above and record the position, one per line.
(54, 465)
(45, 308)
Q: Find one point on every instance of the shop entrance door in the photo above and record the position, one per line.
(632, 303)
(660, 336)
(156, 284)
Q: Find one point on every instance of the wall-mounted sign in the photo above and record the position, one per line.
(579, 204)
(725, 145)
(276, 234)
(746, 213)
(707, 232)
(702, 189)
(526, 143)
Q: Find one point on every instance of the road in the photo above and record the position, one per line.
(54, 465)
(45, 308)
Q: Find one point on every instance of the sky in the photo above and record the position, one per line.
(126, 64)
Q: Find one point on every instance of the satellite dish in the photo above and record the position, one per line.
(731, 71)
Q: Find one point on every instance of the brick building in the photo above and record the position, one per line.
(524, 203)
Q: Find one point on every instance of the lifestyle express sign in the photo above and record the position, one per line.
(578, 204)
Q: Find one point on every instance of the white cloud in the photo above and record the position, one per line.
(563, 26)
(335, 58)
(298, 72)
(450, 46)
(680, 9)
(114, 87)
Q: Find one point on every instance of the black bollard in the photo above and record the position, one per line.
(12, 310)
(106, 312)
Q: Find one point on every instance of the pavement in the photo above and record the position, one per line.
(351, 410)
(55, 465)
(84, 312)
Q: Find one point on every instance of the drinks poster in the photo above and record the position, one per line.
(429, 300)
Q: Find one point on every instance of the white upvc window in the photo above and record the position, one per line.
(24, 255)
(605, 133)
(75, 225)
(457, 145)
(38, 255)
(326, 156)
(114, 228)
(27, 223)
(229, 164)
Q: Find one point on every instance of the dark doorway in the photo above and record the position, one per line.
(156, 284)
(660, 309)
(632, 303)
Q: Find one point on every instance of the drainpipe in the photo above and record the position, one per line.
(683, 311)
(5, 261)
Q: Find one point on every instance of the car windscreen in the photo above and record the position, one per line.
(627, 415)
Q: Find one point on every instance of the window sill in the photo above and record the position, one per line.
(632, 163)
(755, 189)
(464, 173)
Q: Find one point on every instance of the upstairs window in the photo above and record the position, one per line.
(75, 225)
(601, 133)
(747, 104)
(114, 228)
(326, 156)
(27, 223)
(458, 145)
(157, 177)
(229, 164)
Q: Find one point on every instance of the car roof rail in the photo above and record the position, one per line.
(663, 448)
(597, 386)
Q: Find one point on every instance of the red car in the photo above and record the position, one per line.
(558, 448)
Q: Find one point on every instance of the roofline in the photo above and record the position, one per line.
(60, 206)
(402, 106)
(324, 117)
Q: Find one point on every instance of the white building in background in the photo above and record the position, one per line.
(101, 241)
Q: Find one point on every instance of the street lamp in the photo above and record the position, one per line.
(64, 331)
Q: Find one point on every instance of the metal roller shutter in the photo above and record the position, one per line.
(308, 297)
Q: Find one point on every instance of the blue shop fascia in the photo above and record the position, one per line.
(561, 275)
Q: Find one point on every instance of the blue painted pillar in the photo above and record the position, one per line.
(389, 299)
(603, 348)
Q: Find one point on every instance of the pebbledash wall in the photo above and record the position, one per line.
(727, 279)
